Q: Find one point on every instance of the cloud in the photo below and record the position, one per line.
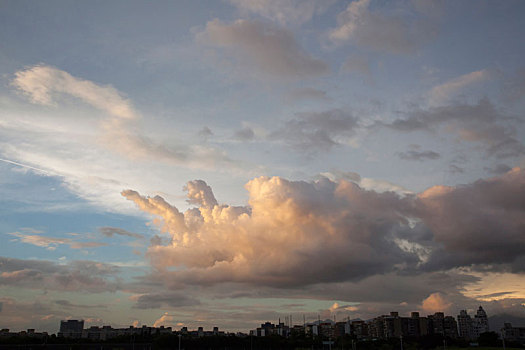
(164, 320)
(269, 50)
(44, 84)
(117, 132)
(87, 276)
(442, 93)
(244, 134)
(283, 11)
(307, 93)
(315, 132)
(381, 32)
(481, 123)
(435, 303)
(357, 64)
(167, 299)
(350, 233)
(498, 169)
(478, 223)
(68, 304)
(514, 88)
(110, 231)
(51, 243)
(419, 155)
(287, 226)
(205, 132)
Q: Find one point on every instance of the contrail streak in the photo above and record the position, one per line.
(29, 167)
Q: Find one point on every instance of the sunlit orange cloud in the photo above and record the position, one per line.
(298, 233)
(435, 303)
(291, 233)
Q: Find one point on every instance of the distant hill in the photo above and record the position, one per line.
(496, 322)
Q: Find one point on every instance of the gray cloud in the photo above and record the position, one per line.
(374, 29)
(110, 231)
(75, 276)
(283, 11)
(169, 299)
(270, 50)
(313, 132)
(68, 304)
(244, 134)
(514, 88)
(419, 155)
(480, 123)
(307, 93)
(498, 169)
(480, 223)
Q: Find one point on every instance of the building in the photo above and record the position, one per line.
(515, 334)
(71, 329)
(481, 323)
(465, 325)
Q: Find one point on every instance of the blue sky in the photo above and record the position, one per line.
(206, 163)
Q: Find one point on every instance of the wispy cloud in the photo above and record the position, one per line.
(443, 92)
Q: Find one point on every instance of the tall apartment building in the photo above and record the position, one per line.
(481, 323)
(465, 325)
(471, 328)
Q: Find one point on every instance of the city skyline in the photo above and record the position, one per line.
(201, 163)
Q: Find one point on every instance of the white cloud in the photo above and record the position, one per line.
(44, 84)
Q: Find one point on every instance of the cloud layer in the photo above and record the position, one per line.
(301, 233)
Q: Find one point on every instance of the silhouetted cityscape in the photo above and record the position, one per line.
(383, 327)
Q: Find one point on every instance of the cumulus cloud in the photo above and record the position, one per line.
(286, 228)
(361, 25)
(442, 93)
(270, 50)
(479, 223)
(302, 233)
(435, 303)
(317, 131)
(283, 11)
(480, 123)
(76, 276)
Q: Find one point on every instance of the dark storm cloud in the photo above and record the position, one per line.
(317, 131)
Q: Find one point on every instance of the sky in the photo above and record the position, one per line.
(226, 163)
